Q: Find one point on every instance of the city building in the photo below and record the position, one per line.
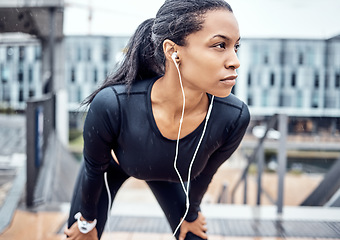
(89, 59)
(20, 68)
(298, 77)
(31, 42)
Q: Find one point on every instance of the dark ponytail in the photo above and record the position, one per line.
(175, 20)
(138, 63)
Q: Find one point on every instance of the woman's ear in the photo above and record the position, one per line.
(169, 48)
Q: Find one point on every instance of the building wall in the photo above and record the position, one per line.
(300, 77)
(89, 60)
(20, 71)
(294, 76)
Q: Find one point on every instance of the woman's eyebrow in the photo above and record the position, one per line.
(224, 37)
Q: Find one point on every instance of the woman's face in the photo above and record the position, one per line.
(208, 61)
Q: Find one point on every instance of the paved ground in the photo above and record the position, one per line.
(136, 215)
(13, 134)
(241, 223)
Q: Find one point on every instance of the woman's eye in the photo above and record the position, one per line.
(221, 45)
(237, 47)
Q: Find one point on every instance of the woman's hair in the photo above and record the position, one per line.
(175, 20)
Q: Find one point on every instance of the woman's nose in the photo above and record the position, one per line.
(232, 61)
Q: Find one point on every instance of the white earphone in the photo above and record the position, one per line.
(186, 188)
(174, 57)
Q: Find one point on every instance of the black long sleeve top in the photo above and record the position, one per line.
(123, 121)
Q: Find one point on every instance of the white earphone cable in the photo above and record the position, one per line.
(186, 190)
(179, 129)
(109, 198)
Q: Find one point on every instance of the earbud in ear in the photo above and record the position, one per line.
(174, 56)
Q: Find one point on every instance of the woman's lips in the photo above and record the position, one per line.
(230, 80)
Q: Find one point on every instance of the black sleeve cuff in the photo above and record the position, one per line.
(192, 214)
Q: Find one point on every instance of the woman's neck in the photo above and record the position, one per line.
(167, 106)
(167, 93)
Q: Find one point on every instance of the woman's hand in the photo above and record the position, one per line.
(73, 233)
(197, 227)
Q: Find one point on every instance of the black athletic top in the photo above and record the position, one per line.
(123, 121)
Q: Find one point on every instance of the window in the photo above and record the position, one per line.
(249, 79)
(316, 80)
(21, 76)
(89, 53)
(21, 53)
(4, 74)
(283, 79)
(37, 53)
(299, 100)
(106, 72)
(282, 58)
(301, 59)
(79, 99)
(95, 76)
(337, 80)
(73, 75)
(293, 80)
(6, 93)
(10, 52)
(326, 81)
(265, 59)
(79, 54)
(31, 93)
(272, 79)
(330, 101)
(310, 55)
(30, 75)
(315, 101)
(254, 55)
(106, 50)
(21, 95)
(105, 55)
(281, 100)
(250, 101)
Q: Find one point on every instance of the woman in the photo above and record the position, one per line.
(168, 116)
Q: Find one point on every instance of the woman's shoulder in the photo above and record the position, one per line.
(136, 87)
(232, 115)
(115, 93)
(106, 98)
(232, 106)
(231, 101)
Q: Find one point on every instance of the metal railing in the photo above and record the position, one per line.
(257, 154)
(40, 122)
